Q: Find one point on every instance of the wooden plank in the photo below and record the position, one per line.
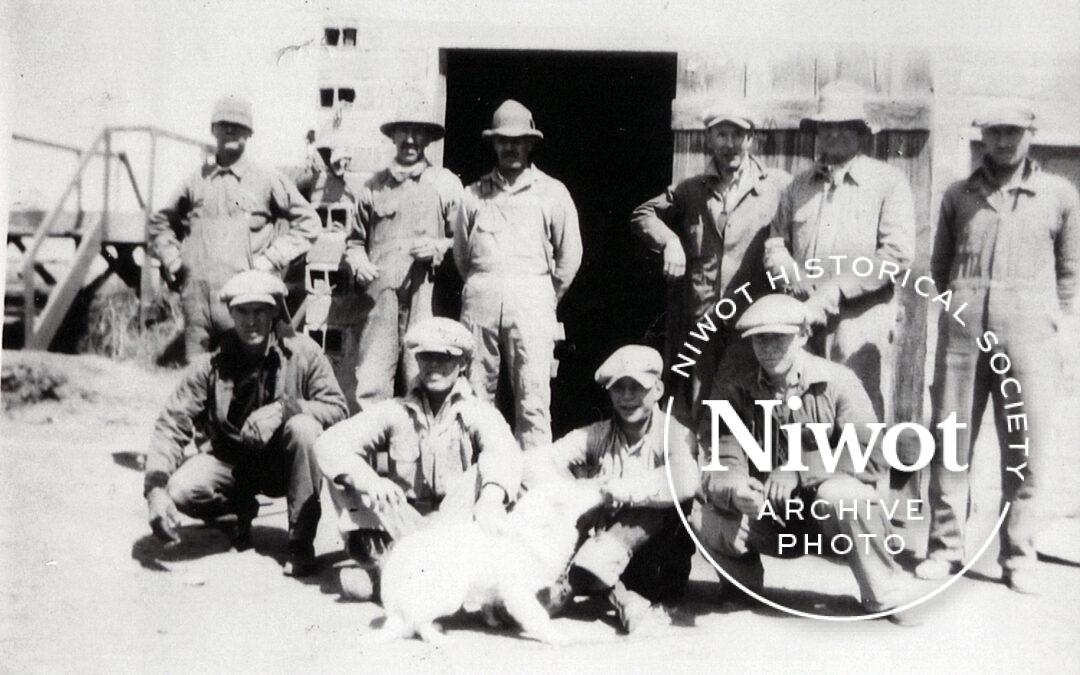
(780, 73)
(124, 227)
(910, 152)
(850, 63)
(902, 114)
(710, 74)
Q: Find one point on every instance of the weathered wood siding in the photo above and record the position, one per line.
(782, 85)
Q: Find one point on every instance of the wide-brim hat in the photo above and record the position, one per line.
(840, 103)
(512, 120)
(434, 129)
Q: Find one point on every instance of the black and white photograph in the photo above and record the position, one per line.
(588, 336)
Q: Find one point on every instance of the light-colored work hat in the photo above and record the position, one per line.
(417, 115)
(439, 335)
(840, 102)
(232, 109)
(642, 364)
(512, 120)
(733, 113)
(776, 313)
(253, 286)
(1008, 113)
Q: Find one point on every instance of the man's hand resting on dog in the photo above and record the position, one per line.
(383, 492)
(164, 518)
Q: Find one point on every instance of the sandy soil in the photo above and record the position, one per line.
(87, 589)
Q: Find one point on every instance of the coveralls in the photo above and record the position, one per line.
(395, 208)
(722, 234)
(861, 209)
(217, 393)
(517, 248)
(1012, 253)
(219, 221)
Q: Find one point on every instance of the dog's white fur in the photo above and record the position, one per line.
(434, 572)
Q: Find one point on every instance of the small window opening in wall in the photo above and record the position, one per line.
(326, 98)
(348, 37)
(332, 37)
(346, 95)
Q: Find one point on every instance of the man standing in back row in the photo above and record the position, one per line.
(1007, 246)
(225, 219)
(851, 206)
(400, 235)
(518, 247)
(711, 229)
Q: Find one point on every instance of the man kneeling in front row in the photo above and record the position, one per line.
(448, 451)
(260, 400)
(638, 551)
(746, 512)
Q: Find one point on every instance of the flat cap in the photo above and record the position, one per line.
(253, 286)
(1008, 113)
(643, 364)
(232, 109)
(776, 313)
(733, 113)
(439, 335)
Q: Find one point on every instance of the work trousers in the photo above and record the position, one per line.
(737, 542)
(391, 311)
(965, 379)
(206, 486)
(861, 337)
(513, 317)
(647, 549)
(206, 317)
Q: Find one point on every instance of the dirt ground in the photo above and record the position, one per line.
(87, 589)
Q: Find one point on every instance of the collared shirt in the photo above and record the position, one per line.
(601, 450)
(863, 208)
(527, 229)
(1014, 249)
(830, 393)
(398, 206)
(243, 190)
(293, 370)
(427, 451)
(722, 231)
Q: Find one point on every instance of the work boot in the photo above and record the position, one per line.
(360, 583)
(301, 561)
(631, 608)
(936, 569)
(1023, 581)
(246, 510)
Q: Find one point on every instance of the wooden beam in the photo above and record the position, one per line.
(895, 114)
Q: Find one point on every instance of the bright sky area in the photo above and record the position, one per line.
(76, 66)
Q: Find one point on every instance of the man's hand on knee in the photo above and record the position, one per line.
(163, 516)
(261, 425)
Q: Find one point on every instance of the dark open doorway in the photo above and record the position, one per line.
(606, 119)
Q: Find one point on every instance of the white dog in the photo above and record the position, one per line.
(436, 571)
